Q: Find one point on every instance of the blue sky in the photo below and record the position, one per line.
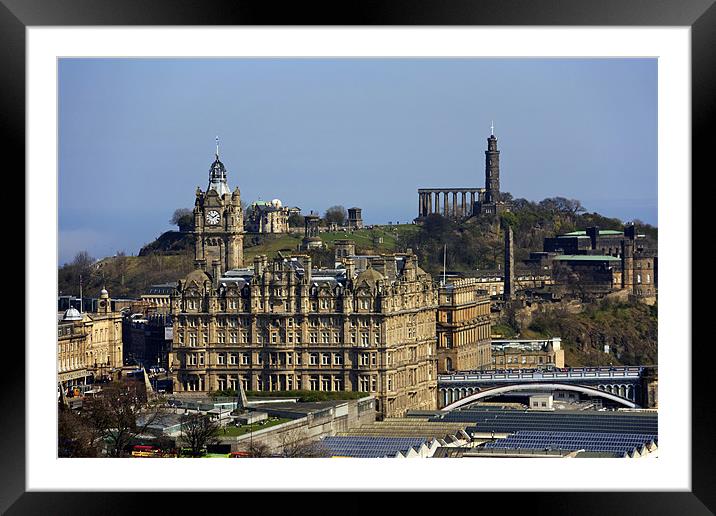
(137, 136)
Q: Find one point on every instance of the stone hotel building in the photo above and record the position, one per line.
(283, 325)
(367, 325)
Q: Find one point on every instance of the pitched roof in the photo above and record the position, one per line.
(586, 258)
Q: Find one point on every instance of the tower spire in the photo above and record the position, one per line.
(492, 128)
(217, 174)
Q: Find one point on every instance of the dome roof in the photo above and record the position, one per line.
(217, 178)
(370, 276)
(103, 293)
(198, 276)
(72, 314)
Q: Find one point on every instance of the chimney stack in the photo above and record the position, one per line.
(593, 234)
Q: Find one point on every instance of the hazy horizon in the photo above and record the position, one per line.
(137, 136)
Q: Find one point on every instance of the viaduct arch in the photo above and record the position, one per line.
(494, 391)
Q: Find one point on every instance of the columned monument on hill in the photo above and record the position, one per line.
(461, 203)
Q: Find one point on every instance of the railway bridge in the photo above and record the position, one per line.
(622, 385)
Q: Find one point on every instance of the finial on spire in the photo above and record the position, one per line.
(217, 147)
(492, 128)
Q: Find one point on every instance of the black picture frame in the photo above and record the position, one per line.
(699, 15)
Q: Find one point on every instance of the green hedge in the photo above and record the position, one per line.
(302, 395)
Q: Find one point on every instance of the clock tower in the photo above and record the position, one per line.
(218, 223)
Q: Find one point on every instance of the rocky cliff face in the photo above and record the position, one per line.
(628, 331)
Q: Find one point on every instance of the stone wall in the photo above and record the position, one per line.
(313, 426)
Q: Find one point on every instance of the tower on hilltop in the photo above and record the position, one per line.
(492, 169)
(218, 223)
(491, 201)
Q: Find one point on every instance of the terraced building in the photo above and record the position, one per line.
(283, 325)
(463, 326)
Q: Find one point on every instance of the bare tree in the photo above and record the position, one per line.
(75, 437)
(82, 260)
(296, 443)
(197, 431)
(120, 414)
(257, 449)
(337, 214)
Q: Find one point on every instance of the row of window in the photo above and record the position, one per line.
(463, 314)
(288, 306)
(472, 335)
(288, 322)
(291, 337)
(278, 382)
(409, 377)
(279, 358)
(648, 278)
(79, 361)
(519, 360)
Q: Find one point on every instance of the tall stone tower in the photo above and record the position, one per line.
(509, 288)
(492, 170)
(218, 223)
(627, 252)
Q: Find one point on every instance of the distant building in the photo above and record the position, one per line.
(267, 217)
(525, 278)
(90, 304)
(148, 340)
(603, 261)
(89, 343)
(463, 326)
(311, 240)
(581, 275)
(159, 296)
(72, 354)
(542, 401)
(105, 337)
(527, 353)
(355, 219)
(583, 264)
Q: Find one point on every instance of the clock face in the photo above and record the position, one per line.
(212, 217)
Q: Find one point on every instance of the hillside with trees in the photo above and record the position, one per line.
(629, 330)
(477, 243)
(171, 257)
